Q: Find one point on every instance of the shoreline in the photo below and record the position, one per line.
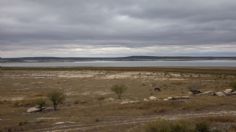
(206, 70)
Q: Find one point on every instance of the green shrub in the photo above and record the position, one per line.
(202, 127)
(22, 123)
(119, 90)
(56, 97)
(194, 86)
(177, 126)
(101, 98)
(233, 85)
(169, 126)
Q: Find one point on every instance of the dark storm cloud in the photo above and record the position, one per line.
(53, 25)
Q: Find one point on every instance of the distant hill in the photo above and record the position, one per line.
(129, 58)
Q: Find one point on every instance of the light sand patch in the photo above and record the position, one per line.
(71, 94)
(12, 98)
(102, 93)
(109, 75)
(86, 93)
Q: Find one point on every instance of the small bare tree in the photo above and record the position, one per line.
(119, 90)
(56, 97)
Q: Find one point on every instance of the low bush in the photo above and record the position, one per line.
(56, 97)
(119, 90)
(169, 126)
(233, 85)
(177, 126)
(202, 127)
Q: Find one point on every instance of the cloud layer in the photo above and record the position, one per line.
(117, 27)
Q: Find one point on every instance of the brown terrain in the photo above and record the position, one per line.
(90, 105)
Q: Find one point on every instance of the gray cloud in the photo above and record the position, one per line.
(114, 26)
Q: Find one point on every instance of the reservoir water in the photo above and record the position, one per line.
(194, 63)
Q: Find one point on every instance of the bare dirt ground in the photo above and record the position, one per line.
(90, 104)
(137, 120)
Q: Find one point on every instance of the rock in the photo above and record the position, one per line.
(228, 91)
(59, 123)
(157, 89)
(194, 92)
(220, 94)
(145, 99)
(124, 102)
(233, 93)
(168, 98)
(208, 93)
(128, 102)
(48, 109)
(152, 98)
(176, 98)
(110, 99)
(33, 109)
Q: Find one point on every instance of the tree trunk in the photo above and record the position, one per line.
(55, 107)
(119, 96)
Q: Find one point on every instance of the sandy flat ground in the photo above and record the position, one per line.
(84, 89)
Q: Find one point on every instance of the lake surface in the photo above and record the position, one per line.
(195, 63)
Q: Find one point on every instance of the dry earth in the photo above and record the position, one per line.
(84, 111)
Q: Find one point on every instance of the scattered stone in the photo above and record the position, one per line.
(190, 93)
(129, 101)
(157, 89)
(152, 98)
(168, 98)
(228, 91)
(233, 93)
(194, 92)
(61, 122)
(165, 99)
(208, 93)
(33, 109)
(48, 109)
(124, 102)
(110, 99)
(220, 94)
(176, 98)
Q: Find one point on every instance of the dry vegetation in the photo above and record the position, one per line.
(89, 99)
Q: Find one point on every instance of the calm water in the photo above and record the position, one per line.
(197, 63)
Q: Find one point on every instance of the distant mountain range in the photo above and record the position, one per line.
(129, 58)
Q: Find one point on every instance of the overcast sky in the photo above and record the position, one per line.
(117, 27)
